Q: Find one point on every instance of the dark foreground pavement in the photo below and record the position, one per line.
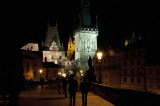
(50, 97)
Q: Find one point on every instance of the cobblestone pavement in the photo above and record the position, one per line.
(50, 97)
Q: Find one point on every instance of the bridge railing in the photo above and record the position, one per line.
(123, 97)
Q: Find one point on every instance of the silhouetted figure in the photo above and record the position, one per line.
(42, 82)
(73, 85)
(90, 72)
(16, 81)
(58, 81)
(30, 84)
(64, 86)
(84, 87)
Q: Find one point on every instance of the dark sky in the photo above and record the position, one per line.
(26, 21)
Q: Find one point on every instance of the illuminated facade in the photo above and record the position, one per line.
(53, 51)
(85, 39)
(71, 48)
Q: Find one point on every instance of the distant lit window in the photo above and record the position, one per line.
(132, 80)
(138, 80)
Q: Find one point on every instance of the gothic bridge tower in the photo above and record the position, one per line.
(85, 38)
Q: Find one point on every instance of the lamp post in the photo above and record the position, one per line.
(99, 56)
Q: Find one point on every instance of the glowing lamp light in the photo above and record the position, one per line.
(99, 55)
(40, 71)
(59, 73)
(81, 71)
(64, 75)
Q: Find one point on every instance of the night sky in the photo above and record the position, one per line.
(26, 21)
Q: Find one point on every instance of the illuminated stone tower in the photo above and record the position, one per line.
(71, 48)
(85, 38)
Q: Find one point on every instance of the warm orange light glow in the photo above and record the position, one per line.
(81, 71)
(59, 73)
(64, 75)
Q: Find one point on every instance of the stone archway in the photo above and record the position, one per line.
(72, 70)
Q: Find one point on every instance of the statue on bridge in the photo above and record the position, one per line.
(90, 72)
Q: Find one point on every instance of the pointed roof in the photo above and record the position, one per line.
(85, 14)
(52, 35)
(70, 39)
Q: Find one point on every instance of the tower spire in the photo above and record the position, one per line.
(79, 20)
(48, 23)
(96, 23)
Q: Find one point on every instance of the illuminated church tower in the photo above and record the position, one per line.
(85, 38)
(71, 48)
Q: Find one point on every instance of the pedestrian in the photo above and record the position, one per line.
(42, 82)
(64, 86)
(73, 85)
(58, 81)
(84, 87)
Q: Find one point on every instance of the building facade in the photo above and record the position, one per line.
(109, 68)
(132, 68)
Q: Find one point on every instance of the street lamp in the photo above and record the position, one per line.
(40, 71)
(99, 56)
